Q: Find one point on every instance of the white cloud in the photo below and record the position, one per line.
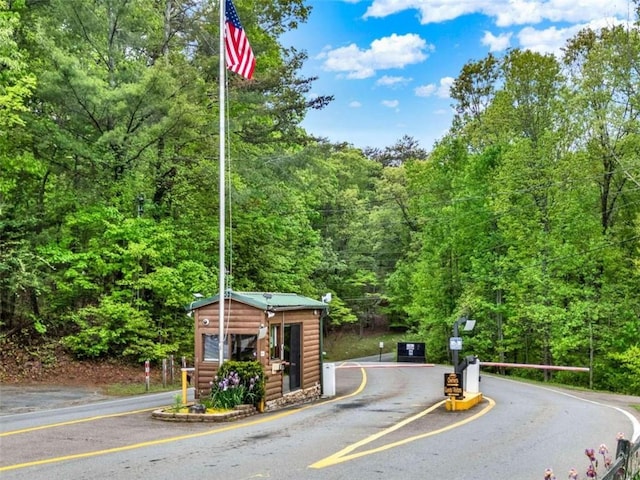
(395, 51)
(549, 40)
(388, 81)
(425, 90)
(552, 39)
(445, 86)
(518, 12)
(505, 12)
(496, 43)
(355, 104)
(431, 89)
(431, 11)
(390, 103)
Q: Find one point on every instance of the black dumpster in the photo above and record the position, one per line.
(411, 352)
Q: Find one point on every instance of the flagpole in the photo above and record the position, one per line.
(221, 175)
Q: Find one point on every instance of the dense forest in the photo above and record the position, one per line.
(524, 216)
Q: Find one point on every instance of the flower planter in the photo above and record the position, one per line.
(168, 415)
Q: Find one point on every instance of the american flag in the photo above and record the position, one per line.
(240, 58)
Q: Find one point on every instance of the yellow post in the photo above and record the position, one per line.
(185, 383)
(184, 386)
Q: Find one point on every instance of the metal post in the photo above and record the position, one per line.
(456, 334)
(221, 187)
(591, 356)
(146, 375)
(164, 373)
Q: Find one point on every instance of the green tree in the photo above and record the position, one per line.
(604, 103)
(21, 270)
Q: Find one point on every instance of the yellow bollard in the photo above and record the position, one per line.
(185, 383)
(184, 386)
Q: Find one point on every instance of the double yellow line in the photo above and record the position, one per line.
(345, 454)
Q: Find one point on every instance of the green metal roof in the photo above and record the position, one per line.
(264, 300)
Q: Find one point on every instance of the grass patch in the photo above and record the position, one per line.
(346, 345)
(130, 389)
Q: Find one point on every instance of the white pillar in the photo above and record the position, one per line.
(472, 377)
(329, 380)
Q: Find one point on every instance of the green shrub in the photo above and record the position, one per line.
(626, 378)
(237, 383)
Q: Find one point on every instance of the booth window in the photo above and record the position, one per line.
(210, 344)
(242, 347)
(274, 341)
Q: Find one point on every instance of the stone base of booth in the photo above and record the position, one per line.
(470, 399)
(293, 398)
(240, 411)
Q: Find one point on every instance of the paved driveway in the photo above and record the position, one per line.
(22, 399)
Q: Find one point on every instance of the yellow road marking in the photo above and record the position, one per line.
(140, 445)
(344, 454)
(170, 439)
(72, 422)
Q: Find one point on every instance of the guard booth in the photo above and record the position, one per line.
(411, 352)
(282, 331)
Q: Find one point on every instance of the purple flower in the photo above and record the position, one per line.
(234, 379)
(589, 452)
(591, 472)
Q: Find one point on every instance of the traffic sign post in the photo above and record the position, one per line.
(455, 342)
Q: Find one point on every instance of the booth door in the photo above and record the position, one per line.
(292, 355)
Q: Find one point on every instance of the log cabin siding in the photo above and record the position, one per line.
(273, 388)
(206, 372)
(310, 370)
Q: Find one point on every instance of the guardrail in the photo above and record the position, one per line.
(627, 463)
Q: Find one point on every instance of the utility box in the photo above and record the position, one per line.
(412, 352)
(472, 377)
(329, 380)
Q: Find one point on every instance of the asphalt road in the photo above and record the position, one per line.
(30, 398)
(384, 423)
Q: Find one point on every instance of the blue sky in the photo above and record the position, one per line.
(389, 63)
